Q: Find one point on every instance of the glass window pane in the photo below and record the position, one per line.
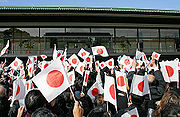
(169, 33)
(126, 32)
(81, 30)
(148, 33)
(103, 30)
(43, 31)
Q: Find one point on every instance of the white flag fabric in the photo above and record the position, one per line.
(145, 60)
(97, 64)
(139, 55)
(98, 79)
(139, 85)
(4, 50)
(118, 59)
(121, 81)
(102, 65)
(16, 63)
(18, 89)
(71, 76)
(83, 53)
(170, 71)
(110, 63)
(95, 89)
(86, 77)
(126, 61)
(43, 56)
(80, 68)
(110, 91)
(30, 70)
(52, 81)
(156, 55)
(73, 60)
(139, 63)
(131, 113)
(100, 50)
(32, 59)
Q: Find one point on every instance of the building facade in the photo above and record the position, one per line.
(35, 30)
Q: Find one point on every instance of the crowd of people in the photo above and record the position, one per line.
(163, 100)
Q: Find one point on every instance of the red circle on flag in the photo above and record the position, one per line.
(120, 81)
(21, 67)
(133, 115)
(45, 66)
(110, 63)
(112, 91)
(96, 64)
(156, 56)
(18, 90)
(74, 60)
(15, 63)
(169, 70)
(102, 65)
(83, 53)
(27, 86)
(70, 77)
(141, 86)
(151, 65)
(95, 92)
(35, 58)
(127, 62)
(87, 77)
(31, 85)
(99, 51)
(30, 62)
(30, 70)
(55, 79)
(59, 54)
(62, 59)
(81, 68)
(137, 64)
(88, 59)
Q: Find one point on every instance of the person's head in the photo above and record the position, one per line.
(2, 90)
(170, 97)
(99, 99)
(33, 100)
(42, 112)
(170, 110)
(4, 106)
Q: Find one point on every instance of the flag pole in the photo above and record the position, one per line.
(107, 106)
(72, 94)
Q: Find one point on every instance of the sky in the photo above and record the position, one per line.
(143, 4)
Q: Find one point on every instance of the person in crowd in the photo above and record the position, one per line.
(4, 106)
(33, 100)
(42, 112)
(170, 97)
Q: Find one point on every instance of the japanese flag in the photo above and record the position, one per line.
(52, 81)
(144, 59)
(57, 53)
(83, 53)
(88, 59)
(18, 89)
(71, 76)
(102, 65)
(170, 70)
(43, 64)
(139, 63)
(139, 55)
(110, 63)
(110, 91)
(126, 61)
(139, 85)
(22, 74)
(43, 56)
(30, 70)
(156, 55)
(100, 50)
(178, 63)
(73, 60)
(118, 59)
(86, 77)
(32, 59)
(4, 50)
(64, 55)
(131, 113)
(16, 63)
(121, 81)
(29, 86)
(95, 89)
(80, 68)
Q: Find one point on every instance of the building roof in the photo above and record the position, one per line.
(104, 9)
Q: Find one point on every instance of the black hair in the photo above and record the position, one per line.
(4, 106)
(42, 112)
(137, 100)
(33, 100)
